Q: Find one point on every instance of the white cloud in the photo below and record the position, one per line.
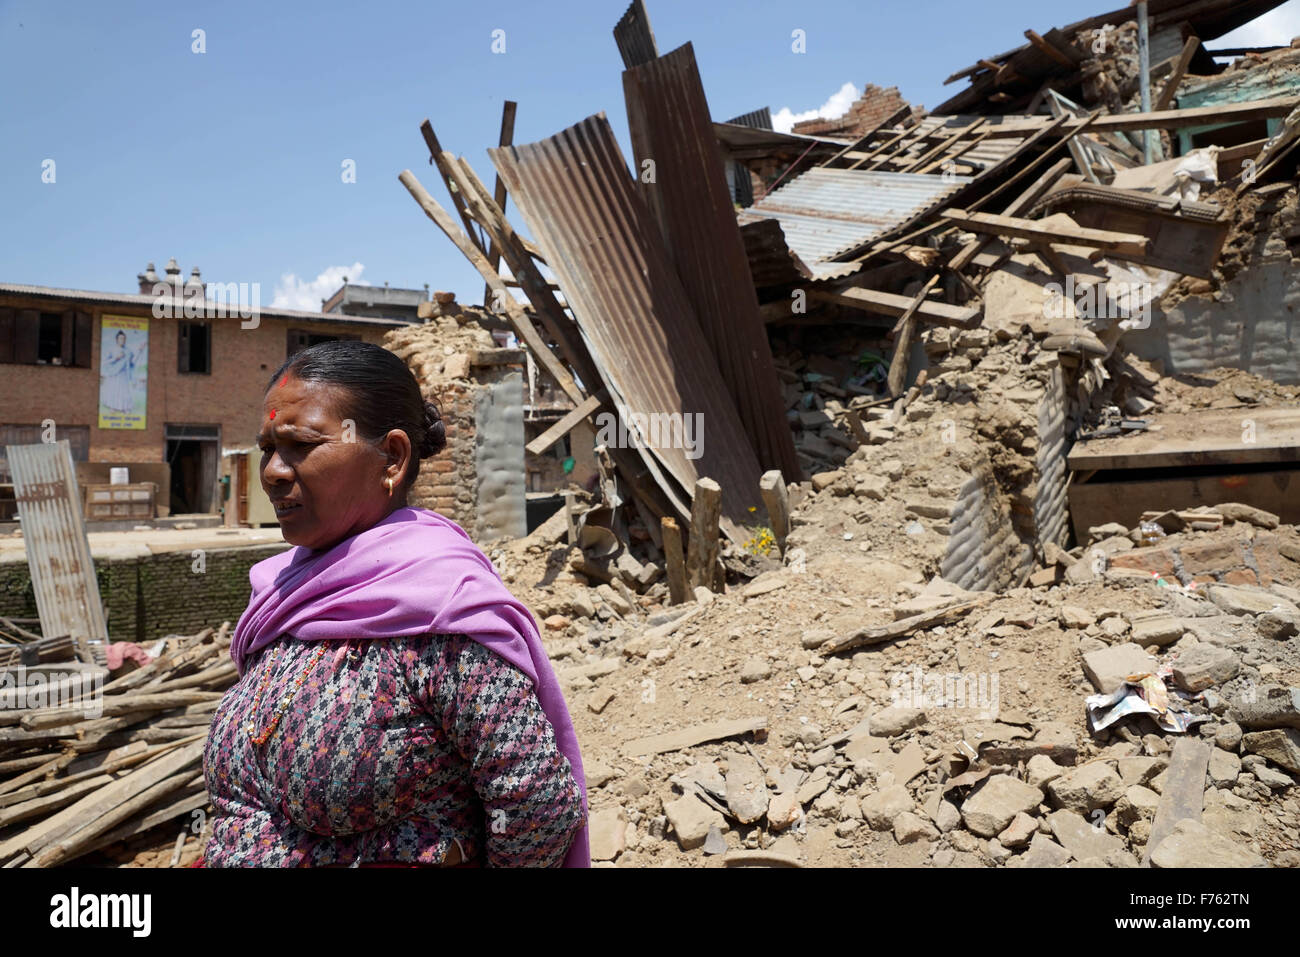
(294, 293)
(1275, 28)
(838, 104)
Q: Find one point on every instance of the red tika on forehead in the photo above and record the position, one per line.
(273, 413)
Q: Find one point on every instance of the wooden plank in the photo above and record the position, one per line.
(777, 500)
(42, 718)
(506, 138)
(515, 315)
(1183, 796)
(1035, 230)
(703, 551)
(101, 801)
(73, 844)
(956, 155)
(971, 250)
(1180, 70)
(563, 330)
(184, 805)
(943, 145)
(903, 342)
(565, 425)
(1220, 114)
(675, 560)
(1051, 51)
(50, 767)
(1209, 437)
(889, 304)
(904, 626)
(690, 737)
(435, 156)
(893, 140)
(42, 805)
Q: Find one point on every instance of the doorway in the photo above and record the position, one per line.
(192, 452)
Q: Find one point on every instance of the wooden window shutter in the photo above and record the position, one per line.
(27, 336)
(6, 335)
(67, 352)
(83, 339)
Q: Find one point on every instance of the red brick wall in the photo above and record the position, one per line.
(871, 109)
(446, 482)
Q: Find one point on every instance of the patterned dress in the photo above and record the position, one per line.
(389, 752)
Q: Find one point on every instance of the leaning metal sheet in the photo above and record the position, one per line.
(581, 204)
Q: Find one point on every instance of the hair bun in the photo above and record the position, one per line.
(435, 433)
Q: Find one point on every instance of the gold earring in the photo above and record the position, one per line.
(389, 482)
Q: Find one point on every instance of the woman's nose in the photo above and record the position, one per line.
(275, 470)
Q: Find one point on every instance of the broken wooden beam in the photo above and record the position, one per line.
(1220, 114)
(589, 406)
(674, 560)
(506, 138)
(1036, 231)
(889, 304)
(904, 626)
(906, 332)
(703, 551)
(690, 737)
(1180, 70)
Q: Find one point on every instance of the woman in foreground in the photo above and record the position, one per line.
(395, 703)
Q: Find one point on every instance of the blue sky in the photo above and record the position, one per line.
(231, 159)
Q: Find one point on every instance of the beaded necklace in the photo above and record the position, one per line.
(260, 739)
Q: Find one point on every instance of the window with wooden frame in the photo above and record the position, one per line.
(194, 347)
(40, 337)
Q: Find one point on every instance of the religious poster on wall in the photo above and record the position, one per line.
(123, 372)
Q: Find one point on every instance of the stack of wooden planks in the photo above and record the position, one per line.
(117, 760)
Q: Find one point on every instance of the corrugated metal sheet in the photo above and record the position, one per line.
(668, 115)
(757, 119)
(635, 39)
(58, 552)
(582, 205)
(825, 212)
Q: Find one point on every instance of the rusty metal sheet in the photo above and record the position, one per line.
(583, 207)
(54, 535)
(668, 115)
(635, 39)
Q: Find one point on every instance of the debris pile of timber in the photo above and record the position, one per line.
(114, 758)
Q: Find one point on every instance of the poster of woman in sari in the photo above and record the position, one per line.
(123, 372)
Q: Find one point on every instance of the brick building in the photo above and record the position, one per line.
(169, 397)
(873, 107)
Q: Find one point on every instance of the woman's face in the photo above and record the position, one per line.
(325, 482)
(120, 338)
